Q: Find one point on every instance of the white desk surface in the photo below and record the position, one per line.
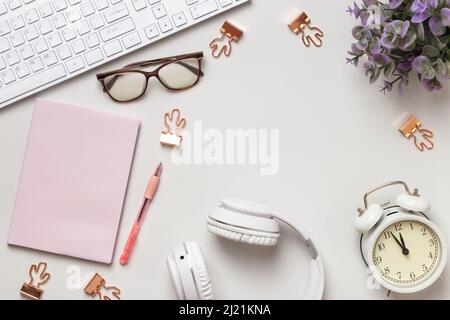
(338, 138)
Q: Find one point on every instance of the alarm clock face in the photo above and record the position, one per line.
(408, 255)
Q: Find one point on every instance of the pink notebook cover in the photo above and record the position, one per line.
(73, 182)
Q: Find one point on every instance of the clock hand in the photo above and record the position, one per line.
(399, 243)
(405, 251)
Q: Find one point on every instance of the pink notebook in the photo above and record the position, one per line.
(73, 182)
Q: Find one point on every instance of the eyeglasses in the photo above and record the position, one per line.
(175, 73)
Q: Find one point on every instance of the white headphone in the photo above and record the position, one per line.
(241, 221)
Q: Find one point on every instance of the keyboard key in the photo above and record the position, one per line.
(31, 16)
(203, 8)
(87, 8)
(49, 58)
(17, 39)
(3, 8)
(139, 4)
(14, 4)
(116, 13)
(93, 56)
(59, 20)
(12, 57)
(4, 28)
(75, 64)
(83, 27)
(7, 76)
(97, 21)
(27, 1)
(152, 2)
(54, 39)
(191, 2)
(59, 5)
(64, 52)
(31, 33)
(151, 31)
(4, 45)
(40, 45)
(44, 26)
(78, 46)
(101, 4)
(68, 33)
(115, 1)
(31, 83)
(22, 70)
(26, 51)
(117, 29)
(73, 2)
(225, 3)
(36, 64)
(159, 11)
(17, 22)
(46, 9)
(92, 40)
(131, 40)
(179, 19)
(73, 14)
(165, 25)
(2, 63)
(112, 48)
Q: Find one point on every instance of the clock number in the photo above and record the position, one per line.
(399, 275)
(398, 227)
(412, 275)
(381, 246)
(387, 235)
(386, 270)
(424, 231)
(425, 268)
(430, 255)
(432, 242)
(378, 260)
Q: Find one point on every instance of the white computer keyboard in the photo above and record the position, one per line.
(44, 42)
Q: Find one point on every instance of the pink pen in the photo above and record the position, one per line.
(148, 196)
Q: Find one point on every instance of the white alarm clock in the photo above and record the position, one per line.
(403, 249)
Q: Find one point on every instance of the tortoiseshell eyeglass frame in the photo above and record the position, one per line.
(155, 73)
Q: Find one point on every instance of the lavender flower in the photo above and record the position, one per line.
(399, 37)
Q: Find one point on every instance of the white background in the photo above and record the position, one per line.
(338, 138)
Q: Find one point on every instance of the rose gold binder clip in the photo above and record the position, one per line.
(39, 276)
(303, 22)
(171, 136)
(95, 286)
(411, 127)
(231, 33)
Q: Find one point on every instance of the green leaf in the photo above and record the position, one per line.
(431, 52)
(389, 69)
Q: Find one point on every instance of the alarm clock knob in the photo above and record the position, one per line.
(413, 202)
(368, 218)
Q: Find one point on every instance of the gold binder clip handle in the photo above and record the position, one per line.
(94, 288)
(302, 22)
(411, 127)
(229, 31)
(39, 275)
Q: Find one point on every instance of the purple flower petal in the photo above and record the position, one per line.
(405, 28)
(420, 17)
(436, 26)
(445, 16)
(432, 3)
(381, 59)
(404, 67)
(394, 4)
(432, 84)
(419, 62)
(375, 46)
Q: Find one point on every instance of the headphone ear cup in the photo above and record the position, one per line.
(201, 275)
(174, 274)
(242, 235)
(370, 218)
(413, 203)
